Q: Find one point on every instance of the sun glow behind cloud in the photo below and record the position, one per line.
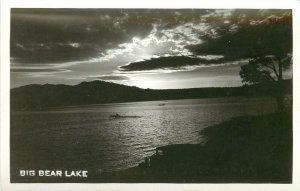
(159, 43)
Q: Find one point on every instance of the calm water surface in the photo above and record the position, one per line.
(85, 137)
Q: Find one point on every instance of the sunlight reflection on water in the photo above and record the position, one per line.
(87, 137)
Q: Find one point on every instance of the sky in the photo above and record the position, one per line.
(147, 48)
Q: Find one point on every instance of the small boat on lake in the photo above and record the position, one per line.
(116, 116)
(161, 104)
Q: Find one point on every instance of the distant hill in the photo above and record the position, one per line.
(97, 92)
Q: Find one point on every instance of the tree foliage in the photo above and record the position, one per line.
(268, 69)
(264, 69)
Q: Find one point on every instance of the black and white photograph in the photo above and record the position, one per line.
(151, 95)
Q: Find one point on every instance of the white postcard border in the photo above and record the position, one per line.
(5, 90)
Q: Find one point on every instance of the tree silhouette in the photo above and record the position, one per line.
(267, 69)
(271, 54)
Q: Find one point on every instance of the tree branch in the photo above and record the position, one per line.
(270, 64)
(267, 74)
(275, 71)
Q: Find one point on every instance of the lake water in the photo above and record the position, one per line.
(85, 137)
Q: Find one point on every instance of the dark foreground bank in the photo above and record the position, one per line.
(252, 149)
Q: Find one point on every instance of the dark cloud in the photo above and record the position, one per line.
(111, 77)
(35, 70)
(50, 35)
(34, 53)
(267, 36)
(169, 62)
(47, 35)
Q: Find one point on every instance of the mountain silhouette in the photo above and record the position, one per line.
(98, 92)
